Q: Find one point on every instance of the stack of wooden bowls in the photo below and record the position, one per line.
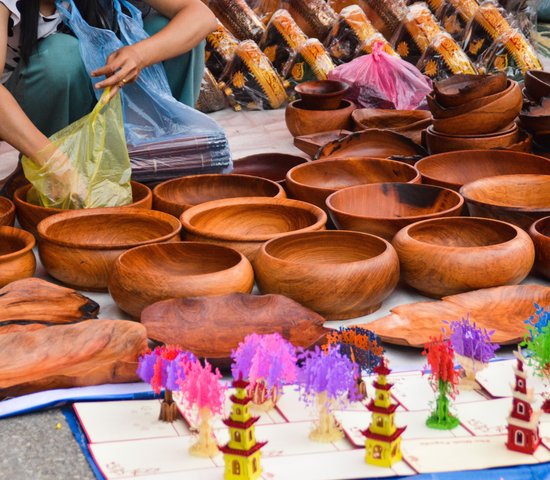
(535, 117)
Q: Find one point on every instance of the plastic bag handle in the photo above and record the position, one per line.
(134, 11)
(64, 11)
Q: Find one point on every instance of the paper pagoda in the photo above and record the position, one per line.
(523, 422)
(242, 453)
(383, 438)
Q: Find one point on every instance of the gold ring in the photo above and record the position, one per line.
(124, 81)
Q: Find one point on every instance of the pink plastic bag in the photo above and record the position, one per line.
(380, 80)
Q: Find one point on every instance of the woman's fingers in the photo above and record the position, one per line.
(122, 67)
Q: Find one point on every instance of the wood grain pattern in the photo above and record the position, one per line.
(445, 256)
(321, 94)
(540, 234)
(311, 144)
(272, 166)
(144, 275)
(7, 212)
(87, 353)
(302, 121)
(537, 84)
(460, 89)
(503, 309)
(410, 123)
(79, 247)
(16, 256)
(338, 274)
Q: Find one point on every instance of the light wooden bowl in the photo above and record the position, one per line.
(16, 256)
(322, 94)
(454, 169)
(444, 256)
(460, 89)
(79, 247)
(313, 182)
(272, 166)
(246, 223)
(177, 195)
(540, 234)
(338, 274)
(7, 212)
(384, 208)
(517, 199)
(301, 121)
(30, 215)
(144, 275)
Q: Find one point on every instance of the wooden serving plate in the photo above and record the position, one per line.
(540, 234)
(311, 144)
(502, 309)
(7, 212)
(16, 256)
(272, 166)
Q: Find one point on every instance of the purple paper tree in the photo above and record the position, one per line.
(328, 379)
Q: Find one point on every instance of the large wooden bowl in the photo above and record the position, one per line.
(459, 89)
(30, 215)
(537, 84)
(302, 121)
(177, 195)
(385, 208)
(338, 274)
(144, 275)
(455, 169)
(16, 256)
(313, 182)
(246, 223)
(7, 212)
(272, 166)
(322, 94)
(517, 199)
(79, 247)
(444, 256)
(540, 234)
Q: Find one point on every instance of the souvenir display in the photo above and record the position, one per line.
(219, 50)
(211, 98)
(315, 17)
(310, 62)
(238, 18)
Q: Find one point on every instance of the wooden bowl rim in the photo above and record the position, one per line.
(14, 232)
(475, 78)
(513, 128)
(534, 74)
(349, 105)
(419, 114)
(344, 87)
(534, 228)
(10, 207)
(253, 202)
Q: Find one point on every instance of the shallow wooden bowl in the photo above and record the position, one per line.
(30, 215)
(540, 234)
(517, 199)
(537, 84)
(79, 247)
(322, 94)
(454, 169)
(301, 121)
(144, 275)
(313, 182)
(246, 223)
(384, 208)
(272, 166)
(338, 274)
(16, 256)
(177, 195)
(7, 212)
(444, 256)
(459, 89)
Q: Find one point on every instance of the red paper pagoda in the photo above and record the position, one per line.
(523, 422)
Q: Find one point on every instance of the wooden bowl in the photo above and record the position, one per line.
(536, 119)
(338, 274)
(79, 247)
(454, 169)
(460, 89)
(540, 234)
(537, 84)
(272, 166)
(385, 208)
(313, 182)
(524, 143)
(246, 223)
(322, 94)
(16, 256)
(7, 212)
(177, 195)
(30, 215)
(301, 121)
(517, 199)
(144, 275)
(444, 256)
(310, 144)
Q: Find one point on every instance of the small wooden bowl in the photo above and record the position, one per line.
(246, 223)
(272, 166)
(540, 234)
(517, 199)
(144, 275)
(79, 247)
(460, 89)
(16, 256)
(338, 274)
(177, 195)
(301, 121)
(536, 119)
(385, 208)
(537, 84)
(7, 212)
(454, 169)
(313, 182)
(445, 256)
(322, 94)
(30, 215)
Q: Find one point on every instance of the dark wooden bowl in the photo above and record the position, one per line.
(445, 256)
(144, 275)
(79, 247)
(536, 119)
(246, 223)
(517, 199)
(540, 234)
(537, 84)
(177, 195)
(30, 215)
(16, 256)
(301, 121)
(313, 182)
(322, 94)
(454, 169)
(272, 166)
(338, 274)
(7, 212)
(385, 208)
(460, 89)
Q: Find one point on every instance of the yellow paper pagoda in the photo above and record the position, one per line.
(242, 453)
(383, 438)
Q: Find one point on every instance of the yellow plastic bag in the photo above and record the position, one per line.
(87, 164)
